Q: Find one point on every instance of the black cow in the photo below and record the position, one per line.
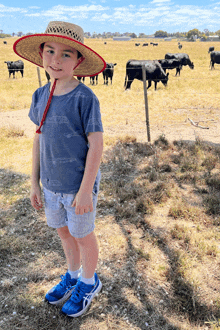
(137, 44)
(171, 64)
(94, 79)
(214, 58)
(108, 72)
(211, 49)
(182, 57)
(154, 72)
(146, 44)
(154, 43)
(5, 42)
(81, 78)
(15, 66)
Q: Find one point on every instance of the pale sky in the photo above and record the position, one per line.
(111, 15)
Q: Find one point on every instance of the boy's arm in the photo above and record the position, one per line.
(83, 199)
(35, 196)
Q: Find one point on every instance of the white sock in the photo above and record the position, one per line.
(75, 274)
(90, 281)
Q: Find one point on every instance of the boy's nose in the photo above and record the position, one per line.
(56, 58)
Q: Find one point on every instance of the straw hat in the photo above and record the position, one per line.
(28, 47)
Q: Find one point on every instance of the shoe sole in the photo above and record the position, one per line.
(65, 297)
(85, 309)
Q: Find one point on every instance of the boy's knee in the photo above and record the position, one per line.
(86, 239)
(82, 240)
(63, 232)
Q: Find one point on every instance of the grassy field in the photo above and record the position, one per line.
(194, 94)
(158, 215)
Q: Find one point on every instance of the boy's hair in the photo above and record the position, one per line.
(78, 53)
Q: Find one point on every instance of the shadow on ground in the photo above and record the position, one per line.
(30, 251)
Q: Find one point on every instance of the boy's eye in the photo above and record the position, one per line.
(50, 51)
(66, 55)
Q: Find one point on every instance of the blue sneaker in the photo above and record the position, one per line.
(81, 298)
(61, 291)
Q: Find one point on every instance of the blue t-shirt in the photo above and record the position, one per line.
(63, 141)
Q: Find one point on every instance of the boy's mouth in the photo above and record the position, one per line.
(55, 69)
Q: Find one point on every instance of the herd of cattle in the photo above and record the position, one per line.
(146, 44)
(155, 69)
(107, 74)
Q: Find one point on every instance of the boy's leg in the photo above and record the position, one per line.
(63, 290)
(89, 283)
(70, 247)
(83, 293)
(89, 251)
(57, 218)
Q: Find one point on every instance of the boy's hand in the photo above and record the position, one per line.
(35, 197)
(83, 203)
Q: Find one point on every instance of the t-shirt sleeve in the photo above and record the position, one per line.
(91, 115)
(33, 113)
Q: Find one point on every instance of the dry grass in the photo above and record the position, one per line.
(159, 243)
(158, 215)
(15, 150)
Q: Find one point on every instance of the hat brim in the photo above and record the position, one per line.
(28, 47)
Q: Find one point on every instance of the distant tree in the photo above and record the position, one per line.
(3, 35)
(218, 33)
(204, 37)
(142, 35)
(206, 32)
(179, 35)
(133, 35)
(19, 34)
(194, 32)
(160, 34)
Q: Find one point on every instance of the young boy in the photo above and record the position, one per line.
(67, 151)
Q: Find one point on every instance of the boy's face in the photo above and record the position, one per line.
(59, 60)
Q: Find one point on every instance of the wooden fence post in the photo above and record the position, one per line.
(39, 77)
(146, 102)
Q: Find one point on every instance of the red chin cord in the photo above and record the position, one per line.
(81, 59)
(47, 107)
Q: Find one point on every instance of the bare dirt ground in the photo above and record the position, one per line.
(209, 130)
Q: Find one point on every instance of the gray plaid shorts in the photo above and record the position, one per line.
(60, 213)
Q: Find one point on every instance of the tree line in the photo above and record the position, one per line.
(190, 35)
